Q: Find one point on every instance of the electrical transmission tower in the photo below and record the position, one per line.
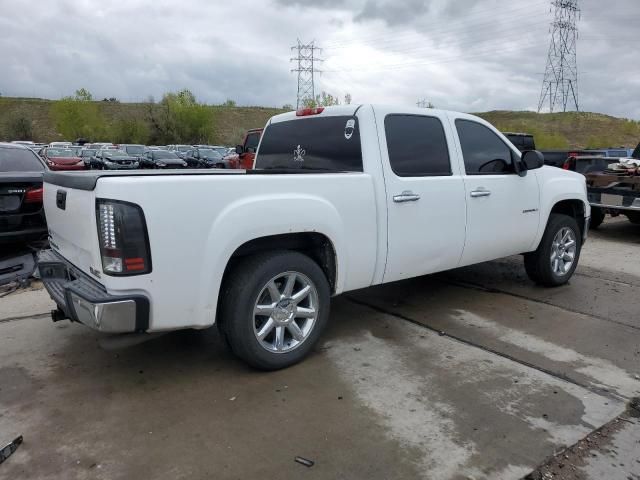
(560, 84)
(305, 59)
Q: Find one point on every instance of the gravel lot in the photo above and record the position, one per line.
(474, 373)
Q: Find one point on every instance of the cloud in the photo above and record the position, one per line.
(471, 56)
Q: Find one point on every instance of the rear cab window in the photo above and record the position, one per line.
(322, 144)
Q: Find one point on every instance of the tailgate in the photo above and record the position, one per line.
(71, 219)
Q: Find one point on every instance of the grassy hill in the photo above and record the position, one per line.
(556, 130)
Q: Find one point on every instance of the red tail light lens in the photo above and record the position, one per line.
(33, 195)
(124, 242)
(304, 112)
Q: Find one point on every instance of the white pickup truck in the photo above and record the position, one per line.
(341, 198)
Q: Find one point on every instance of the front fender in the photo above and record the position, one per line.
(260, 216)
(557, 185)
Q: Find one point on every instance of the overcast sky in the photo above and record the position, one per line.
(469, 55)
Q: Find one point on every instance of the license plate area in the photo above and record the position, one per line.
(9, 203)
(55, 271)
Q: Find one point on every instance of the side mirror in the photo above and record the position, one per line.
(531, 160)
(239, 149)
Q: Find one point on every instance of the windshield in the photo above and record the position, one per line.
(61, 152)
(19, 160)
(87, 152)
(183, 148)
(162, 154)
(113, 153)
(209, 152)
(134, 149)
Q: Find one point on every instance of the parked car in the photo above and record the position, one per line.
(341, 198)
(180, 150)
(522, 141)
(205, 158)
(110, 159)
(135, 150)
(246, 152)
(86, 154)
(22, 217)
(60, 144)
(62, 158)
(162, 159)
(615, 190)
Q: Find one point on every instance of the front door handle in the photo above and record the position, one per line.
(406, 196)
(480, 193)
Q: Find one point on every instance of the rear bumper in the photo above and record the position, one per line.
(84, 300)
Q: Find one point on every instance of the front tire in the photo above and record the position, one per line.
(556, 258)
(273, 309)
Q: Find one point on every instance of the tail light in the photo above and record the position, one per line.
(33, 195)
(124, 242)
(304, 112)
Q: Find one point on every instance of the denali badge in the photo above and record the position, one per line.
(349, 128)
(298, 154)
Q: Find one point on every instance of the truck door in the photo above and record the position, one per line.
(502, 207)
(424, 192)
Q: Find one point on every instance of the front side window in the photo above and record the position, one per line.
(322, 144)
(417, 146)
(483, 151)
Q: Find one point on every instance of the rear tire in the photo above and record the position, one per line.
(556, 258)
(597, 217)
(265, 315)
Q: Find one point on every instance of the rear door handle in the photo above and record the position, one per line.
(480, 193)
(406, 196)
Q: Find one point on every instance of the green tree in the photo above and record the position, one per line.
(324, 99)
(19, 127)
(78, 116)
(179, 118)
(130, 130)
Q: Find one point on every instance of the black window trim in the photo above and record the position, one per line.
(418, 175)
(513, 157)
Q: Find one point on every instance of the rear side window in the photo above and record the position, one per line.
(19, 160)
(417, 146)
(483, 151)
(329, 144)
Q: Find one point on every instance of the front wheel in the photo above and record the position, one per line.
(556, 258)
(273, 309)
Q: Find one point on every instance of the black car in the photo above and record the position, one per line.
(113, 160)
(161, 159)
(522, 141)
(22, 217)
(205, 157)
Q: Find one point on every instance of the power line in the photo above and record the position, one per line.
(305, 67)
(560, 83)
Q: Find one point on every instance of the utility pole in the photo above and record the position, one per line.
(306, 56)
(560, 83)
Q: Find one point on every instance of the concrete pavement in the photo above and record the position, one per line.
(474, 373)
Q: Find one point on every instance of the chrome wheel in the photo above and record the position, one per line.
(563, 251)
(285, 312)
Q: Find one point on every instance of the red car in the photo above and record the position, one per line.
(246, 153)
(60, 158)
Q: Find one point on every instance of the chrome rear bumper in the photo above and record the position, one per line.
(83, 300)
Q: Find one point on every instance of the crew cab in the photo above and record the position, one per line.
(340, 199)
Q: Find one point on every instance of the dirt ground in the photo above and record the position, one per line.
(470, 374)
